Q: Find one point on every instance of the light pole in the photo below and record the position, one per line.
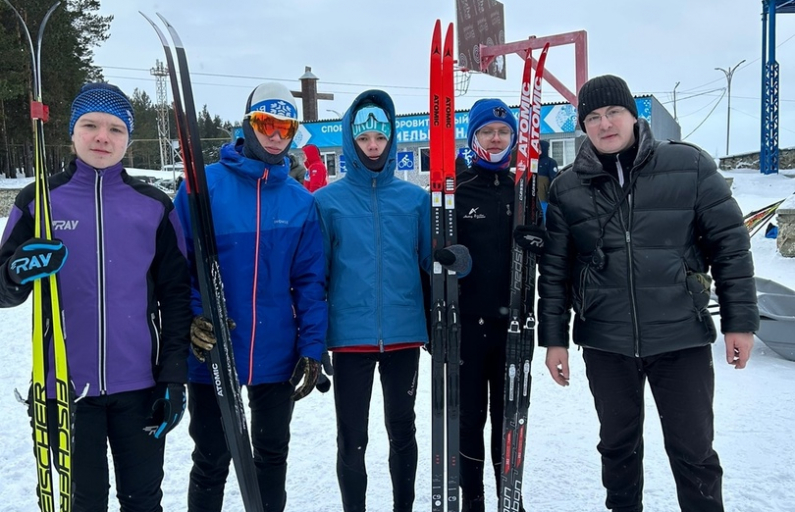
(729, 74)
(334, 112)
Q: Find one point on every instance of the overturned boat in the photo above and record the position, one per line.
(776, 317)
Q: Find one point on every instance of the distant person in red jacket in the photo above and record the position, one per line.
(316, 173)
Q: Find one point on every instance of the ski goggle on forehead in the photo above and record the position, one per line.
(370, 113)
(371, 118)
(268, 125)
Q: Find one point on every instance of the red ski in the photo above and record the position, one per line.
(445, 335)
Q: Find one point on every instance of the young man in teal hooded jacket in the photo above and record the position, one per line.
(377, 240)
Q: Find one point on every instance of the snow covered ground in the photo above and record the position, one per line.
(754, 409)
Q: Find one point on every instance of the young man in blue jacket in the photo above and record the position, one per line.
(270, 252)
(377, 237)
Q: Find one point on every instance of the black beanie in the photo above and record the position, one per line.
(604, 91)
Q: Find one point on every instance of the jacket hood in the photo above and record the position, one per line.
(233, 159)
(544, 148)
(312, 154)
(357, 171)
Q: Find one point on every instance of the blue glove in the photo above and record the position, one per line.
(35, 259)
(167, 409)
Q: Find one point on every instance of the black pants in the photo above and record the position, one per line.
(353, 387)
(683, 385)
(271, 412)
(118, 420)
(482, 394)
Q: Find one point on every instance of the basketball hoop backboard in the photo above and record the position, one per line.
(480, 22)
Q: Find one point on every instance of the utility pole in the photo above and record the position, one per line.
(161, 104)
(729, 74)
(675, 118)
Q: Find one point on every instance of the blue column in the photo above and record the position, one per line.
(769, 157)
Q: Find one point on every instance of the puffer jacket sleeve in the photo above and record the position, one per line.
(727, 247)
(308, 282)
(172, 289)
(554, 305)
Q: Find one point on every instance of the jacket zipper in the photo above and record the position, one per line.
(102, 314)
(157, 339)
(628, 240)
(256, 273)
(379, 306)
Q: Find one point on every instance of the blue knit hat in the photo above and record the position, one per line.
(102, 97)
(490, 110)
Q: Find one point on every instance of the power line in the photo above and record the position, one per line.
(422, 91)
(747, 64)
(756, 118)
(705, 119)
(694, 95)
(698, 110)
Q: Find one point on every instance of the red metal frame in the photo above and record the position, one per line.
(580, 41)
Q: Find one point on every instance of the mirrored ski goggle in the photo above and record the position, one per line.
(370, 113)
(268, 125)
(371, 119)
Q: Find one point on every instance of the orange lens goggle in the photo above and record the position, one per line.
(268, 125)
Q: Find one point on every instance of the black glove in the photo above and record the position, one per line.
(530, 238)
(36, 258)
(167, 409)
(306, 370)
(323, 382)
(454, 257)
(202, 335)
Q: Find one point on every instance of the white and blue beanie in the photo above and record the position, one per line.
(274, 99)
(105, 98)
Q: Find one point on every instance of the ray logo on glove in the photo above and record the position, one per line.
(35, 259)
(167, 409)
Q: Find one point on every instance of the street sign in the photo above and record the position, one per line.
(405, 161)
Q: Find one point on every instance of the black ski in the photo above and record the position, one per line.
(521, 329)
(220, 360)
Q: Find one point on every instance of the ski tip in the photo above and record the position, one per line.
(172, 31)
(160, 34)
(436, 40)
(448, 41)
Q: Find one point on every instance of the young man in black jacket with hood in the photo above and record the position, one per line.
(632, 230)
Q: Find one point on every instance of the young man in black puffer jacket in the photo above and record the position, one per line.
(632, 230)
